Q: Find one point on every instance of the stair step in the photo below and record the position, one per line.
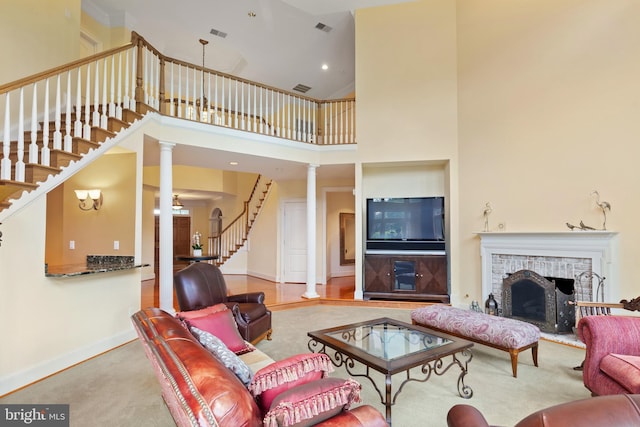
(12, 189)
(100, 135)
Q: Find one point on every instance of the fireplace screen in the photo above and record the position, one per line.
(541, 301)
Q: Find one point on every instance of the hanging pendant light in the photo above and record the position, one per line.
(177, 204)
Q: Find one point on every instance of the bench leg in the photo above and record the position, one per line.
(534, 353)
(514, 362)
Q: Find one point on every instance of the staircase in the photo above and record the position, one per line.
(234, 236)
(59, 159)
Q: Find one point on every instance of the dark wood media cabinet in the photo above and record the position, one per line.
(409, 277)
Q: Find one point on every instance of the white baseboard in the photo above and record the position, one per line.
(262, 276)
(12, 382)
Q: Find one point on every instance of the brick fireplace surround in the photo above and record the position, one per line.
(556, 254)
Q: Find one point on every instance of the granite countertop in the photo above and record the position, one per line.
(95, 264)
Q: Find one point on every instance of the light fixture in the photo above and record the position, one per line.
(325, 67)
(89, 199)
(233, 163)
(203, 103)
(177, 204)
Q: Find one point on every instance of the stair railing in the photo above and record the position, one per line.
(83, 95)
(235, 234)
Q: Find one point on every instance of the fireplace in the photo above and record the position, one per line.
(563, 254)
(542, 301)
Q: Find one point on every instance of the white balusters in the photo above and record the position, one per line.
(112, 89)
(172, 105)
(5, 165)
(67, 120)
(57, 135)
(132, 100)
(77, 125)
(104, 119)
(19, 170)
(33, 147)
(179, 106)
(96, 98)
(119, 92)
(86, 128)
(45, 128)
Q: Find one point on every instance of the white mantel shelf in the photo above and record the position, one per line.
(600, 246)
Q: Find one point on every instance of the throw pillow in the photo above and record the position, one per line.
(285, 374)
(312, 403)
(624, 369)
(222, 353)
(223, 325)
(192, 314)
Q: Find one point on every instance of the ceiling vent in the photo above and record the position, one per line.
(218, 33)
(301, 88)
(322, 27)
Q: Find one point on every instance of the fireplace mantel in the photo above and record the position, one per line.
(599, 246)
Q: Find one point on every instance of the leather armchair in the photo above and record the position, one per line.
(202, 285)
(619, 410)
(611, 364)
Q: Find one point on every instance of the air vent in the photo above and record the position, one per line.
(301, 88)
(323, 27)
(218, 33)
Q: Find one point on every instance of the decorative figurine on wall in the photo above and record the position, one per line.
(487, 211)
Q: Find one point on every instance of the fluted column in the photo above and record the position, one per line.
(166, 227)
(311, 233)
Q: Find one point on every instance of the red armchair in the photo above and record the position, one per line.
(612, 362)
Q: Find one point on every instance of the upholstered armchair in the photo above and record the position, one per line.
(202, 285)
(612, 362)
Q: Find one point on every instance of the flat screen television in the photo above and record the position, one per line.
(405, 223)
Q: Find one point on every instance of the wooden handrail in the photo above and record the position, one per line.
(57, 70)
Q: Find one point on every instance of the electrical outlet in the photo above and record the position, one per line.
(116, 245)
(72, 244)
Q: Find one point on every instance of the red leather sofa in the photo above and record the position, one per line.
(200, 390)
(621, 410)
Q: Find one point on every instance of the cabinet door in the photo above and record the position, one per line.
(432, 275)
(377, 273)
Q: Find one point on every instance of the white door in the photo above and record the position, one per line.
(295, 242)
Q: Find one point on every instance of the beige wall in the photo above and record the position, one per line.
(337, 203)
(548, 112)
(42, 34)
(94, 231)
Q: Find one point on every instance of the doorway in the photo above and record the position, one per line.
(181, 242)
(294, 242)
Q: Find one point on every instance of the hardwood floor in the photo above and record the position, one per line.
(279, 296)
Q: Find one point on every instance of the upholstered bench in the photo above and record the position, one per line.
(505, 334)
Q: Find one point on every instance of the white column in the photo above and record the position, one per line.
(166, 228)
(311, 233)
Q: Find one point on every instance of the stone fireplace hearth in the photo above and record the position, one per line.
(555, 254)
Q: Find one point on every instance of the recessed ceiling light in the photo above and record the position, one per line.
(325, 67)
(233, 163)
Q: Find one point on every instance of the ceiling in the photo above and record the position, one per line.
(280, 47)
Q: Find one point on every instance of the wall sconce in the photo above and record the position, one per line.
(89, 199)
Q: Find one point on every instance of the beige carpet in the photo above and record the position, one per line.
(120, 389)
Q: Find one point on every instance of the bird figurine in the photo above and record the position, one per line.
(604, 206)
(571, 226)
(584, 226)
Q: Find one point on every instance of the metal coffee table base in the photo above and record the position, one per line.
(436, 367)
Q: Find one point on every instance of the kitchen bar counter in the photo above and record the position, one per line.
(95, 264)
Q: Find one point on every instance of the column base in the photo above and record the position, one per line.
(307, 295)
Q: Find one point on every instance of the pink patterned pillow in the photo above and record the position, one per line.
(311, 403)
(288, 373)
(192, 314)
(223, 325)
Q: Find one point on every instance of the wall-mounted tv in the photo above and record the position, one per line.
(405, 223)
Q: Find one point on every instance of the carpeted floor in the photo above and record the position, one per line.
(119, 388)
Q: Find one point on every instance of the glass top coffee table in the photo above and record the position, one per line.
(390, 346)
